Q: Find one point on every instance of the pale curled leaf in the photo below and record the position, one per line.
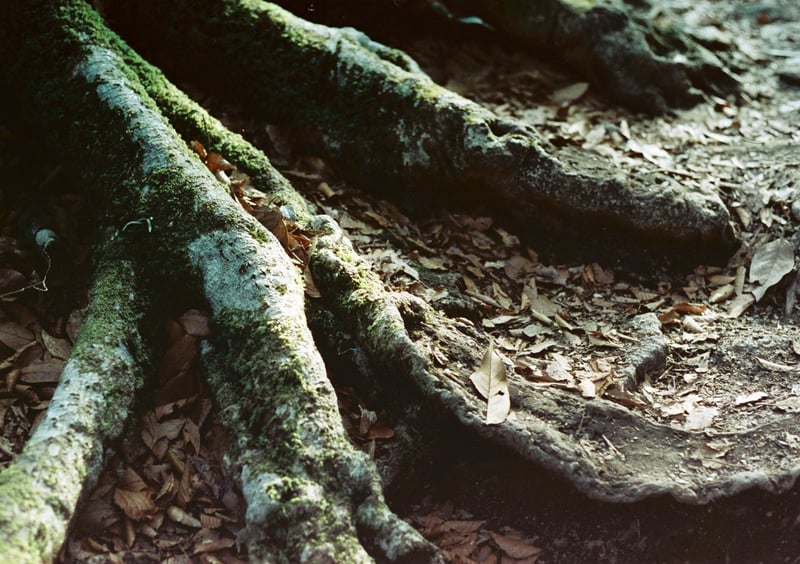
(700, 418)
(195, 323)
(745, 399)
(587, 388)
(775, 366)
(770, 264)
(492, 384)
(178, 515)
(570, 93)
(514, 547)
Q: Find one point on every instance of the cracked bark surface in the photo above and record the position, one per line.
(311, 495)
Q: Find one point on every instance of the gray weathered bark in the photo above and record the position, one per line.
(620, 53)
(89, 410)
(620, 47)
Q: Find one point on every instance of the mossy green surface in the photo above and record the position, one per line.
(31, 545)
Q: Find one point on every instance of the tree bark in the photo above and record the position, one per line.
(92, 404)
(619, 51)
(615, 45)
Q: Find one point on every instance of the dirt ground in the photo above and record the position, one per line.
(732, 364)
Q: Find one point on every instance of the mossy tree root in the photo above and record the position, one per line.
(629, 60)
(631, 53)
(382, 122)
(312, 496)
(94, 399)
(555, 429)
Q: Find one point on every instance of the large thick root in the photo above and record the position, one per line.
(382, 122)
(629, 60)
(615, 45)
(555, 429)
(312, 496)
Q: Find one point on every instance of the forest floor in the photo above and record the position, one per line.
(556, 314)
(732, 364)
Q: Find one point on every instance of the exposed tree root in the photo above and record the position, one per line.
(553, 428)
(628, 58)
(381, 121)
(622, 48)
(311, 495)
(95, 397)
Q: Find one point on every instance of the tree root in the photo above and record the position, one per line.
(92, 404)
(380, 122)
(580, 441)
(312, 496)
(619, 52)
(622, 48)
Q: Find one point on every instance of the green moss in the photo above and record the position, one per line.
(194, 123)
(29, 545)
(111, 333)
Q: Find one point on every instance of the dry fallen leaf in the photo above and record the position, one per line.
(739, 305)
(492, 384)
(47, 371)
(569, 93)
(180, 516)
(700, 418)
(195, 323)
(514, 547)
(14, 335)
(750, 398)
(11, 280)
(133, 496)
(770, 264)
(519, 268)
(207, 540)
(58, 348)
(587, 388)
(776, 366)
